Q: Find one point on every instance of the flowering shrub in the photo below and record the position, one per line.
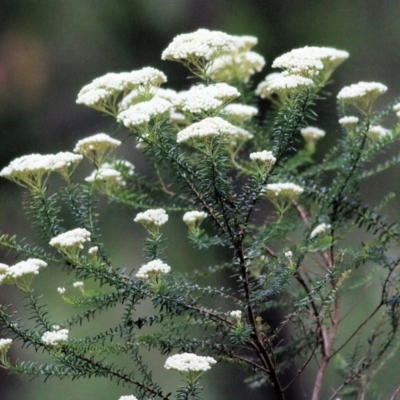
(240, 180)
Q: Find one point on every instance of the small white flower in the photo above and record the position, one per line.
(106, 173)
(154, 267)
(93, 250)
(236, 314)
(349, 121)
(99, 143)
(189, 362)
(286, 190)
(153, 217)
(131, 397)
(281, 83)
(311, 133)
(377, 132)
(396, 107)
(56, 327)
(265, 157)
(73, 238)
(78, 284)
(56, 337)
(193, 217)
(5, 344)
(61, 290)
(321, 228)
(30, 266)
(238, 113)
(361, 91)
(288, 254)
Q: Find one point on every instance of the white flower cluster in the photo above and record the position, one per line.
(73, 238)
(141, 113)
(238, 113)
(131, 397)
(189, 362)
(237, 314)
(266, 157)
(349, 121)
(154, 267)
(311, 133)
(28, 267)
(193, 217)
(288, 254)
(361, 90)
(396, 108)
(202, 98)
(377, 132)
(99, 143)
(203, 44)
(310, 61)
(32, 167)
(134, 97)
(78, 284)
(282, 84)
(286, 190)
(5, 344)
(321, 228)
(153, 217)
(106, 173)
(210, 127)
(108, 87)
(55, 337)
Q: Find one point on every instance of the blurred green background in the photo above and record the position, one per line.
(49, 49)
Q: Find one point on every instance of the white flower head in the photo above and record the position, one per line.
(31, 266)
(78, 284)
(189, 362)
(5, 345)
(377, 132)
(61, 290)
(311, 133)
(285, 190)
(152, 219)
(202, 98)
(348, 122)
(141, 113)
(153, 268)
(237, 314)
(280, 83)
(202, 44)
(106, 173)
(73, 238)
(96, 147)
(319, 229)
(288, 254)
(55, 337)
(238, 113)
(265, 157)
(56, 327)
(396, 107)
(206, 129)
(93, 250)
(194, 218)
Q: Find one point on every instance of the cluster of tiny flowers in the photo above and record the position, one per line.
(207, 128)
(155, 217)
(236, 314)
(202, 98)
(55, 337)
(73, 238)
(61, 290)
(154, 267)
(288, 254)
(5, 344)
(192, 218)
(203, 44)
(310, 61)
(396, 108)
(93, 250)
(34, 166)
(142, 113)
(106, 173)
(78, 284)
(266, 157)
(361, 90)
(99, 143)
(285, 190)
(131, 397)
(377, 132)
(189, 362)
(30, 266)
(311, 133)
(238, 113)
(102, 90)
(282, 84)
(321, 228)
(348, 122)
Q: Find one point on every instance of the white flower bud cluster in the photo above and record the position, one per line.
(310, 61)
(99, 143)
(154, 267)
(61, 290)
(141, 113)
(377, 132)
(93, 250)
(285, 190)
(189, 362)
(237, 314)
(154, 217)
(361, 90)
(202, 44)
(106, 173)
(319, 229)
(311, 133)
(396, 108)
(238, 113)
(31, 266)
(207, 128)
(78, 284)
(202, 98)
(192, 218)
(281, 83)
(5, 344)
(73, 238)
(55, 337)
(34, 166)
(349, 121)
(266, 157)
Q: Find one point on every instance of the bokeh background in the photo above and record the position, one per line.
(50, 49)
